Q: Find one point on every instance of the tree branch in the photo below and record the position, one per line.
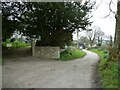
(111, 11)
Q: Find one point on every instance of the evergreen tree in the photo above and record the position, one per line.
(54, 22)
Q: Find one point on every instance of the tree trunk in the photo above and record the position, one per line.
(101, 41)
(98, 39)
(90, 40)
(117, 39)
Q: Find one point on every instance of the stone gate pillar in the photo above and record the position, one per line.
(33, 47)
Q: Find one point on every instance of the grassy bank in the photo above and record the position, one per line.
(108, 70)
(71, 53)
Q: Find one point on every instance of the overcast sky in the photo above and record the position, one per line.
(106, 24)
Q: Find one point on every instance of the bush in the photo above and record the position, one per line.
(15, 44)
(71, 53)
(99, 44)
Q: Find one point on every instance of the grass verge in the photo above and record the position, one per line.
(71, 53)
(108, 70)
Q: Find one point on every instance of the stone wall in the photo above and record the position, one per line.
(47, 52)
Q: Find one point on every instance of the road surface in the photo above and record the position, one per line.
(32, 72)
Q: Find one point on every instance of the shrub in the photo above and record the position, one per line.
(71, 53)
(15, 44)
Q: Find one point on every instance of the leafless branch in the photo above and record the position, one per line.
(107, 15)
(111, 11)
(97, 5)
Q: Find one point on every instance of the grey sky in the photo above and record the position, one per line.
(106, 24)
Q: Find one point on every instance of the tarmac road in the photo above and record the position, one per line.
(32, 72)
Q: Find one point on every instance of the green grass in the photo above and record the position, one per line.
(108, 70)
(71, 53)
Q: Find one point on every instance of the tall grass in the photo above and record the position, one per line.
(108, 70)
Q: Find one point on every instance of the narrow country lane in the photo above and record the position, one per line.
(32, 72)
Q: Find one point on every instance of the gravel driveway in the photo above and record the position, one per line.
(32, 72)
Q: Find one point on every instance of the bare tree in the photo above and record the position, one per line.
(94, 34)
(84, 39)
(117, 38)
(111, 11)
(117, 31)
(100, 35)
(114, 51)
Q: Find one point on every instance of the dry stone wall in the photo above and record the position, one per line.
(47, 52)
